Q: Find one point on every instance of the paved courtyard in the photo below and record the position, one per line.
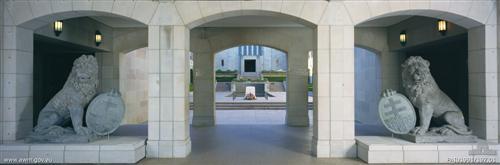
(250, 145)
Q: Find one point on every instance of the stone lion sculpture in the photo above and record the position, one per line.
(69, 102)
(432, 103)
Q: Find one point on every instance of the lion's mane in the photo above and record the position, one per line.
(413, 89)
(86, 64)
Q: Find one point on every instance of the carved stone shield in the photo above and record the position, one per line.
(397, 113)
(105, 113)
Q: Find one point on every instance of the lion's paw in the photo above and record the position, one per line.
(418, 131)
(83, 131)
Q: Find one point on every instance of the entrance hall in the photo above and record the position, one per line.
(317, 103)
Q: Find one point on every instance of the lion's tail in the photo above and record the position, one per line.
(459, 131)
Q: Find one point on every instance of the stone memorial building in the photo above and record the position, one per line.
(352, 49)
(250, 60)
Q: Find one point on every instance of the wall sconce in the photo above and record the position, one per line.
(442, 26)
(402, 38)
(58, 27)
(98, 38)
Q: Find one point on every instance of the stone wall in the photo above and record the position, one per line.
(274, 59)
(2, 3)
(368, 81)
(134, 86)
(230, 57)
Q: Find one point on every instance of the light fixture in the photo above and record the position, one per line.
(58, 27)
(442, 26)
(402, 38)
(98, 38)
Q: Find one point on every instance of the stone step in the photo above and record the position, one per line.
(252, 106)
(388, 150)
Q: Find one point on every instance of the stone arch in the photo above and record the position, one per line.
(37, 22)
(377, 51)
(248, 43)
(21, 19)
(479, 18)
(33, 14)
(140, 41)
(226, 38)
(467, 14)
(459, 19)
(296, 42)
(229, 14)
(194, 14)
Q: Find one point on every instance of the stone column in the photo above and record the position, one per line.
(333, 134)
(296, 95)
(204, 89)
(17, 82)
(168, 126)
(483, 82)
(498, 59)
(1, 70)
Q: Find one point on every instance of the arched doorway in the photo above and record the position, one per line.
(258, 66)
(47, 57)
(38, 28)
(456, 50)
(394, 53)
(223, 34)
(333, 23)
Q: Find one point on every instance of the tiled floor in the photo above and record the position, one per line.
(247, 137)
(251, 144)
(250, 117)
(250, 137)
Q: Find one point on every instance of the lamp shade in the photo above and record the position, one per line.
(402, 38)
(58, 27)
(98, 38)
(442, 26)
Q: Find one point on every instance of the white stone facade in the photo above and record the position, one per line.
(169, 24)
(270, 60)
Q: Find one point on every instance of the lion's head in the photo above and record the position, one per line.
(416, 76)
(84, 76)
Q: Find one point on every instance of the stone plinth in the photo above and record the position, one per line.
(380, 149)
(439, 139)
(67, 138)
(118, 149)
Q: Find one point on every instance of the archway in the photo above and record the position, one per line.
(169, 24)
(259, 66)
(458, 62)
(218, 35)
(393, 53)
(210, 38)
